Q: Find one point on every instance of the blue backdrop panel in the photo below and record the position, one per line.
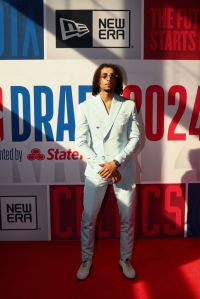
(21, 29)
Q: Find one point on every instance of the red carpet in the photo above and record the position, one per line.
(167, 269)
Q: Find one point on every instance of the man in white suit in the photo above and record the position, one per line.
(107, 134)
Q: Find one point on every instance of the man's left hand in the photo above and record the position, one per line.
(116, 177)
(108, 168)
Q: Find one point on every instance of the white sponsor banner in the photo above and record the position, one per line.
(19, 212)
(40, 101)
(78, 29)
(24, 213)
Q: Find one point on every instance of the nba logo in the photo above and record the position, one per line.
(1, 115)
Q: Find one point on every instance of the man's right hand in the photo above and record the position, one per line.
(116, 177)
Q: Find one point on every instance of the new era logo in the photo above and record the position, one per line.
(69, 29)
(18, 212)
(93, 29)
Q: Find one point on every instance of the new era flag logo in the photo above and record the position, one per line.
(69, 29)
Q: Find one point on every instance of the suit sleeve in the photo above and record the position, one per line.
(133, 139)
(83, 139)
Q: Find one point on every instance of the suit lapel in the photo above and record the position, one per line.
(99, 106)
(115, 107)
(99, 115)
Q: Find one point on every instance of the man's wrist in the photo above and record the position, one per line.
(116, 163)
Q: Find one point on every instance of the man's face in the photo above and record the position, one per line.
(107, 81)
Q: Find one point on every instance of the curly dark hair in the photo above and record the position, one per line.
(96, 77)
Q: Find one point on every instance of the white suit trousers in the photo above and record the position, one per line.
(94, 192)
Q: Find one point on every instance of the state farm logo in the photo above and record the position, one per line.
(54, 154)
(35, 155)
(93, 29)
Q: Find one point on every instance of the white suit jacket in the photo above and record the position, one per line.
(102, 137)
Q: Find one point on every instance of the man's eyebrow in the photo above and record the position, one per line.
(108, 73)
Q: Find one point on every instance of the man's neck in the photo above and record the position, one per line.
(106, 96)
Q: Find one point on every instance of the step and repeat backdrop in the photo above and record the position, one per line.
(49, 51)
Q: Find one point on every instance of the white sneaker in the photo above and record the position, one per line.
(127, 269)
(84, 270)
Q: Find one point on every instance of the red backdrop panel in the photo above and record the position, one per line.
(160, 212)
(171, 29)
